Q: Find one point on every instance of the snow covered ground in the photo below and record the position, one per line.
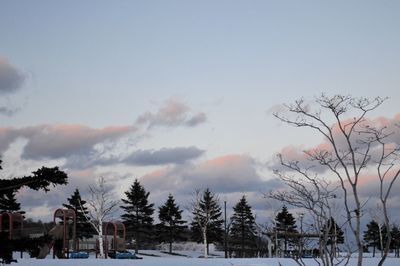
(157, 258)
(187, 262)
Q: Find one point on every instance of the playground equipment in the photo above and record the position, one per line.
(62, 233)
(118, 233)
(11, 228)
(13, 223)
(114, 241)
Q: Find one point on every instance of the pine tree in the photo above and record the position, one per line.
(334, 234)
(39, 180)
(395, 244)
(285, 225)
(138, 213)
(384, 238)
(76, 203)
(372, 235)
(8, 203)
(208, 216)
(171, 226)
(243, 228)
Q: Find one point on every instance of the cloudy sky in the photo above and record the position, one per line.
(179, 94)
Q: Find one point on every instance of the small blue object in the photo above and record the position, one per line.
(79, 255)
(123, 255)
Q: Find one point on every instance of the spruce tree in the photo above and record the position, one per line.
(285, 225)
(8, 203)
(384, 236)
(395, 243)
(243, 229)
(335, 234)
(208, 210)
(138, 214)
(83, 227)
(171, 227)
(372, 236)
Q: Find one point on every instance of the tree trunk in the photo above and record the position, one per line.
(137, 243)
(101, 242)
(205, 241)
(388, 235)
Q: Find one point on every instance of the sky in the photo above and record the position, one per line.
(179, 94)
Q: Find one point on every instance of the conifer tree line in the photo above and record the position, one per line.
(242, 233)
(206, 225)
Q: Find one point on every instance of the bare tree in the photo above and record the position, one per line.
(201, 217)
(207, 218)
(101, 207)
(314, 195)
(352, 142)
(388, 172)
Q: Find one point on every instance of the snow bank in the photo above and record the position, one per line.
(147, 261)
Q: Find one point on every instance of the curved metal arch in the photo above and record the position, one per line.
(12, 217)
(65, 215)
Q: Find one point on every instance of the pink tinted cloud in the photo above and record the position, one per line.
(173, 112)
(223, 161)
(229, 173)
(292, 153)
(61, 140)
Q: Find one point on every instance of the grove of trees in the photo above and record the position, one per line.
(354, 146)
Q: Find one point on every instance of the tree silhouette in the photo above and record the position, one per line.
(243, 228)
(40, 179)
(334, 234)
(76, 203)
(372, 235)
(354, 145)
(8, 203)
(396, 240)
(285, 225)
(138, 213)
(207, 219)
(171, 226)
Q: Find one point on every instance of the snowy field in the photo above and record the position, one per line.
(154, 258)
(188, 262)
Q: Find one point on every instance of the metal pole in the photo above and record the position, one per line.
(225, 234)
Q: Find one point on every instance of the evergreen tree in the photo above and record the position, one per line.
(39, 180)
(285, 225)
(395, 244)
(372, 236)
(384, 237)
(335, 234)
(138, 213)
(208, 210)
(243, 229)
(171, 226)
(83, 227)
(8, 203)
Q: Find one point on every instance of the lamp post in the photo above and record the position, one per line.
(225, 233)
